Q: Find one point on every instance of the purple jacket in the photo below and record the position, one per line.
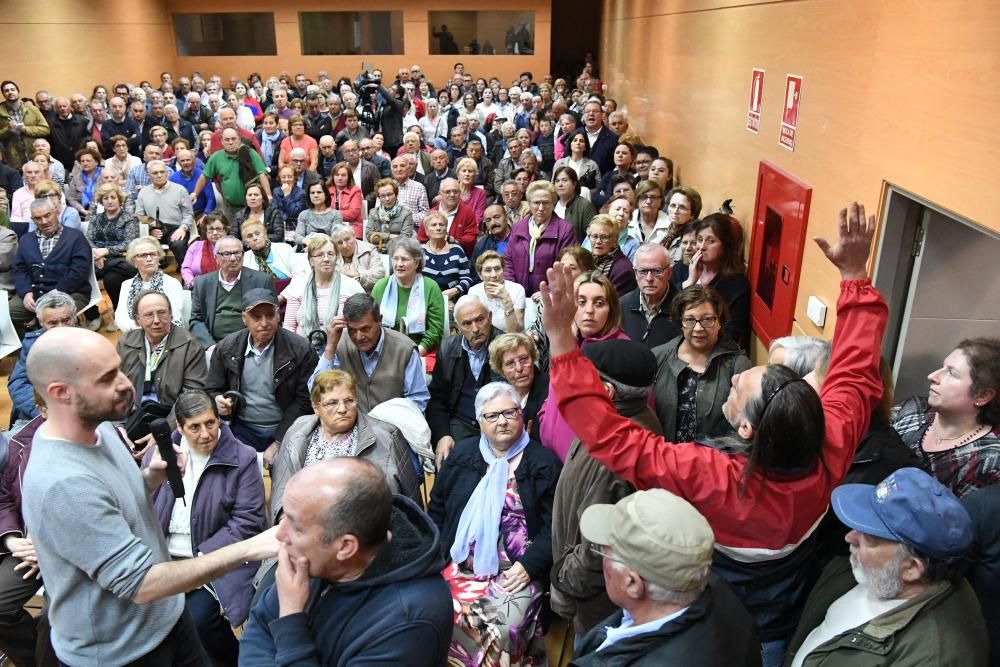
(553, 431)
(622, 275)
(10, 487)
(558, 234)
(227, 507)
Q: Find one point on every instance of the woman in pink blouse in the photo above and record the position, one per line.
(297, 138)
(346, 197)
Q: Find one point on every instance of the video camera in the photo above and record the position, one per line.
(369, 110)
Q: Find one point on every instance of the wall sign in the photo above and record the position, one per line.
(756, 96)
(790, 111)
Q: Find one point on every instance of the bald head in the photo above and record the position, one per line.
(63, 354)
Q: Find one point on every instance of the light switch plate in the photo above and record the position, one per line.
(816, 311)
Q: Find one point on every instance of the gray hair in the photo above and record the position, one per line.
(411, 246)
(661, 594)
(193, 96)
(171, 107)
(493, 390)
(56, 299)
(218, 244)
(359, 305)
(339, 229)
(155, 163)
(467, 300)
(802, 353)
(38, 204)
(649, 248)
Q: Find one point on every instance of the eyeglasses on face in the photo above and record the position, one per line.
(509, 415)
(706, 322)
(231, 254)
(333, 404)
(649, 197)
(598, 551)
(600, 238)
(511, 364)
(147, 255)
(650, 273)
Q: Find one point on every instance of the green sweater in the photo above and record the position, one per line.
(434, 302)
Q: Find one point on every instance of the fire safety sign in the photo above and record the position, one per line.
(756, 95)
(790, 111)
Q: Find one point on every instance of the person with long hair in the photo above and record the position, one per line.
(717, 263)
(345, 196)
(683, 206)
(315, 299)
(297, 138)
(200, 256)
(259, 208)
(319, 217)
(573, 208)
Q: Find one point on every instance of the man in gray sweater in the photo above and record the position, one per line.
(168, 204)
(115, 595)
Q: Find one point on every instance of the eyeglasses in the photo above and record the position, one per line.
(649, 197)
(230, 254)
(511, 364)
(706, 322)
(600, 238)
(509, 415)
(155, 315)
(679, 207)
(325, 255)
(650, 273)
(215, 229)
(147, 255)
(599, 552)
(348, 403)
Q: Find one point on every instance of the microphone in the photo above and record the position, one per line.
(161, 433)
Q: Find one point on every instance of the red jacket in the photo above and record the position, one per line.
(772, 518)
(349, 205)
(464, 229)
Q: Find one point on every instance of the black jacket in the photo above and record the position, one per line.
(319, 126)
(536, 478)
(715, 630)
(392, 118)
(294, 363)
(603, 150)
(983, 574)
(398, 613)
(660, 330)
(67, 136)
(446, 382)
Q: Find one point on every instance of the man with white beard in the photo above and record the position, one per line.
(907, 602)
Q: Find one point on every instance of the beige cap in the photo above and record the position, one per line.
(659, 535)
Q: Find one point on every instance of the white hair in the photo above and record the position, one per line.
(467, 300)
(650, 248)
(802, 353)
(493, 390)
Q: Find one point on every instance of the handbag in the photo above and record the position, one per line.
(137, 424)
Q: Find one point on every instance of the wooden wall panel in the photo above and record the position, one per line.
(894, 91)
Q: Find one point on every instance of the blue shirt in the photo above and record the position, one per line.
(414, 381)
(206, 200)
(476, 359)
(626, 629)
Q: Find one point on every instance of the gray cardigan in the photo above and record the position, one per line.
(713, 387)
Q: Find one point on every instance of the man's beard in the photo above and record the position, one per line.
(883, 582)
(94, 413)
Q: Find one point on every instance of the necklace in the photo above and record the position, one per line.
(963, 439)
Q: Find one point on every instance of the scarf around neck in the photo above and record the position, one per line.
(416, 307)
(535, 232)
(310, 318)
(479, 524)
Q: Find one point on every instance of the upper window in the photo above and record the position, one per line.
(351, 33)
(230, 34)
(482, 33)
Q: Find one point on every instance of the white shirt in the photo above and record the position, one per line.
(179, 543)
(855, 607)
(495, 306)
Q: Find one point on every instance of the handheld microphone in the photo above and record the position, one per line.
(157, 216)
(161, 433)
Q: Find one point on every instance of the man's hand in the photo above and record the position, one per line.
(156, 472)
(224, 404)
(334, 330)
(261, 546)
(850, 255)
(29, 301)
(443, 449)
(156, 233)
(140, 446)
(194, 197)
(292, 580)
(178, 234)
(515, 579)
(559, 309)
(23, 549)
(270, 453)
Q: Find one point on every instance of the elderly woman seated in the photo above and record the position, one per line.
(339, 428)
(389, 218)
(160, 358)
(504, 298)
(492, 501)
(225, 504)
(695, 370)
(274, 258)
(357, 259)
(145, 253)
(315, 299)
(200, 256)
(514, 357)
(410, 302)
(110, 233)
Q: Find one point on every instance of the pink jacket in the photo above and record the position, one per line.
(553, 430)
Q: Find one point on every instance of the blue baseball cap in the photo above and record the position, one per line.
(911, 507)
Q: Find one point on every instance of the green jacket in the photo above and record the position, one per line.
(713, 388)
(18, 144)
(942, 626)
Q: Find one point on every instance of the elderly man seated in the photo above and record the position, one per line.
(168, 205)
(900, 598)
(385, 364)
(51, 257)
(462, 369)
(216, 304)
(268, 368)
(344, 532)
(657, 553)
(55, 309)
(340, 427)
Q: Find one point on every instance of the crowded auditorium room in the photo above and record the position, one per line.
(438, 334)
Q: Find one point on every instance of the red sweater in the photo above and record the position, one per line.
(464, 229)
(772, 518)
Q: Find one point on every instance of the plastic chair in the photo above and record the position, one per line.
(9, 342)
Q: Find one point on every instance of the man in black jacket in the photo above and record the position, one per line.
(68, 132)
(462, 369)
(657, 552)
(269, 367)
(602, 140)
(646, 310)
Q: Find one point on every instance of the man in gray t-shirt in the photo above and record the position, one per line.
(115, 595)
